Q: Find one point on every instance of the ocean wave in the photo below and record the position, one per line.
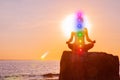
(48, 76)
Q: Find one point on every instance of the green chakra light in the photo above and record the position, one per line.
(79, 34)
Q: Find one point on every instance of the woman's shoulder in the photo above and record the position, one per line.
(73, 33)
(85, 29)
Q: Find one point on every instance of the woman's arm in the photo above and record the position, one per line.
(87, 37)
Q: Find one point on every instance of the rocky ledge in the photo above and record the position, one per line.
(89, 66)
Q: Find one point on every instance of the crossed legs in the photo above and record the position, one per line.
(85, 48)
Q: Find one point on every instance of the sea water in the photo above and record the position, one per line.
(27, 70)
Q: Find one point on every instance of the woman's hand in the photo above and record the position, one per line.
(67, 42)
(94, 41)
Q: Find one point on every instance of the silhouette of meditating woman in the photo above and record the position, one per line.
(79, 38)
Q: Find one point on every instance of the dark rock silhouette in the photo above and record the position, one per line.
(89, 66)
(50, 75)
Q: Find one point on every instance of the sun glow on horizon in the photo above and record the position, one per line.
(69, 23)
(44, 55)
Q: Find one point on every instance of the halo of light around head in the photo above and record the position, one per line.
(69, 24)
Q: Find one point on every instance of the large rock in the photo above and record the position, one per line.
(89, 66)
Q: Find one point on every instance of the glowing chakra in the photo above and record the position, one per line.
(79, 13)
(80, 45)
(80, 19)
(80, 34)
(80, 41)
(80, 50)
(79, 26)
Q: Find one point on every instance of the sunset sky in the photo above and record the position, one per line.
(30, 28)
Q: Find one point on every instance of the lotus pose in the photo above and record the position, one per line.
(79, 41)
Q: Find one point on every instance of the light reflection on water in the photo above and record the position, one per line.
(27, 70)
